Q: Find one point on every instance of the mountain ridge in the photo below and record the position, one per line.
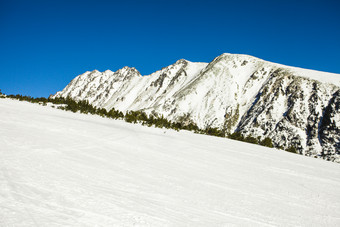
(234, 93)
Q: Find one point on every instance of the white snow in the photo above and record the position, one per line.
(63, 169)
(324, 77)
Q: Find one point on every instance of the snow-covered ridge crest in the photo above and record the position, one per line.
(325, 77)
(293, 106)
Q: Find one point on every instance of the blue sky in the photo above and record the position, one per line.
(45, 44)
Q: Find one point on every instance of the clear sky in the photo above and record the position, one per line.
(45, 44)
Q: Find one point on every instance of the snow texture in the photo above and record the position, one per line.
(60, 168)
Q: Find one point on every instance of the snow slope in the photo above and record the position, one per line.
(63, 169)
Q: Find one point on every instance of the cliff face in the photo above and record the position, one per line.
(293, 106)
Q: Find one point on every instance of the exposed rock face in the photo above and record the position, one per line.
(293, 106)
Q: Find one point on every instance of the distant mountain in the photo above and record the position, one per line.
(293, 106)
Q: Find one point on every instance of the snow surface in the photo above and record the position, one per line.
(324, 77)
(63, 169)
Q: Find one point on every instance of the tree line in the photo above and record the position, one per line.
(154, 119)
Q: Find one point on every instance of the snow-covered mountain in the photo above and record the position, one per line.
(293, 106)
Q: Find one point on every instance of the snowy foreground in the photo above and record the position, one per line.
(63, 169)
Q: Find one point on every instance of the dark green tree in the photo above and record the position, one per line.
(291, 149)
(267, 142)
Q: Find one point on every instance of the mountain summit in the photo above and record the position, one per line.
(292, 106)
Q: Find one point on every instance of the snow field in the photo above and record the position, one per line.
(58, 168)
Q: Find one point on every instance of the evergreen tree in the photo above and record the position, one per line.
(250, 139)
(267, 142)
(291, 149)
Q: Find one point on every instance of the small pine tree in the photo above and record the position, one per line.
(250, 139)
(267, 142)
(291, 149)
(237, 136)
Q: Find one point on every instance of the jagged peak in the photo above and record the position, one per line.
(184, 61)
(108, 71)
(181, 61)
(229, 56)
(95, 71)
(127, 69)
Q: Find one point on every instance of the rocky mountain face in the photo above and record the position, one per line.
(292, 106)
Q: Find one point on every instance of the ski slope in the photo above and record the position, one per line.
(58, 168)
